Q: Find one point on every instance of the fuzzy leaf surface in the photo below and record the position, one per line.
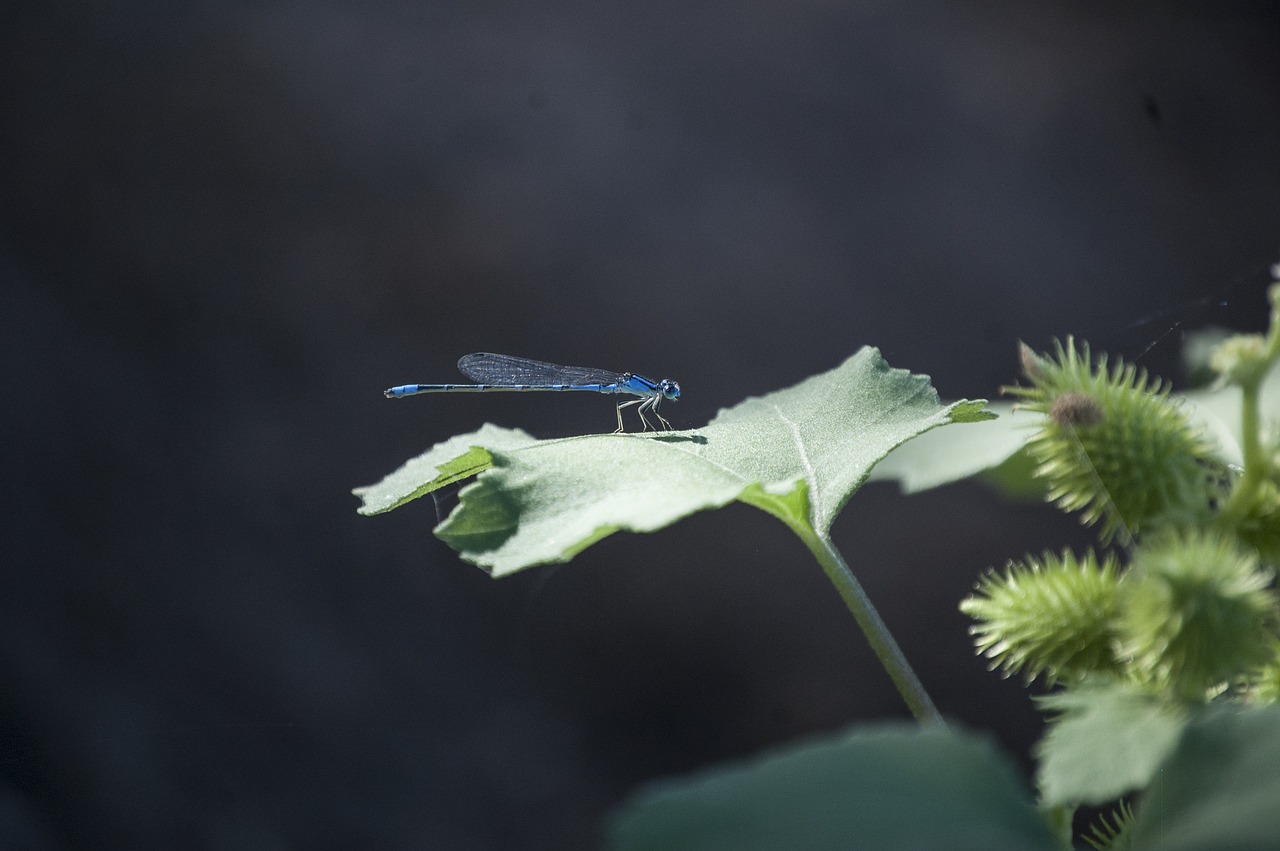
(798, 453)
(1109, 740)
(893, 787)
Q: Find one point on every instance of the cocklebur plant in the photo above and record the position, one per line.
(1051, 616)
(1111, 446)
(1197, 616)
(1195, 610)
(1189, 624)
(1161, 645)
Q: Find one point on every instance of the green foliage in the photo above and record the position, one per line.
(1195, 611)
(1107, 739)
(943, 456)
(885, 788)
(456, 459)
(1219, 789)
(1213, 785)
(1185, 633)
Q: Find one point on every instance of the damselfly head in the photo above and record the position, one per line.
(669, 389)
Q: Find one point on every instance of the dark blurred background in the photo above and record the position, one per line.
(226, 227)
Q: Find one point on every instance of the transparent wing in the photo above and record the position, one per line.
(488, 368)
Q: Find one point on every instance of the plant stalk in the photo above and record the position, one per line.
(873, 627)
(1257, 466)
(1254, 461)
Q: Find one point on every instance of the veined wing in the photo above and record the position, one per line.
(490, 368)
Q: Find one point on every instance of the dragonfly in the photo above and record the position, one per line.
(507, 373)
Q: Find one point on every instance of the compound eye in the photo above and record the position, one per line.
(670, 390)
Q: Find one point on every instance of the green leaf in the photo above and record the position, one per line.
(1217, 410)
(950, 455)
(457, 458)
(893, 787)
(1016, 478)
(994, 450)
(1220, 789)
(1109, 740)
(798, 453)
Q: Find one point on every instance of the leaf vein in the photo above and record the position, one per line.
(811, 475)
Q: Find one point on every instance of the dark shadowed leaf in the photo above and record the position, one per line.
(1220, 791)
(894, 788)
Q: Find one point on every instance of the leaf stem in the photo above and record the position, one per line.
(1256, 463)
(1251, 451)
(873, 627)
